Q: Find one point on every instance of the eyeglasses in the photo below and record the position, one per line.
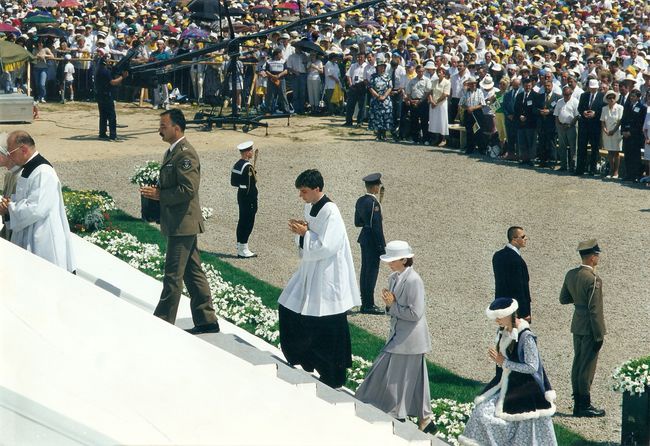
(523, 237)
(9, 152)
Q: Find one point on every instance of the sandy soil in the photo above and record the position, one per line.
(453, 209)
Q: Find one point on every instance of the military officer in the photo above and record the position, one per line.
(367, 216)
(584, 289)
(243, 177)
(180, 222)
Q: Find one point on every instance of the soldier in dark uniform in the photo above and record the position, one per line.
(104, 83)
(584, 289)
(632, 132)
(243, 177)
(180, 222)
(367, 216)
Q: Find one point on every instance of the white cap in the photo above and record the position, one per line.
(247, 145)
(593, 83)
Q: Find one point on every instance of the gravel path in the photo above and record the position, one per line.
(453, 209)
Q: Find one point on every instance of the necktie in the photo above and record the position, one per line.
(591, 99)
(392, 77)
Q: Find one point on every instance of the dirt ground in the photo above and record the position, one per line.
(453, 209)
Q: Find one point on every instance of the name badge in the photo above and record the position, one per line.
(356, 79)
(636, 109)
(529, 102)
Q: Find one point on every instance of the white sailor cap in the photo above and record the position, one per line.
(247, 145)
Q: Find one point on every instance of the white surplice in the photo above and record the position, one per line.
(325, 283)
(38, 219)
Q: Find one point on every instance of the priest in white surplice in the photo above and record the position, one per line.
(36, 211)
(314, 330)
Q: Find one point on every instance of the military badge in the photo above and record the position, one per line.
(376, 208)
(186, 164)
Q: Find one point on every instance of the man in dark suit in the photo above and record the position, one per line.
(511, 272)
(546, 102)
(511, 124)
(633, 139)
(590, 106)
(180, 222)
(367, 216)
(527, 123)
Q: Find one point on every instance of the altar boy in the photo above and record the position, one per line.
(314, 330)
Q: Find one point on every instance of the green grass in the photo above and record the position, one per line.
(443, 383)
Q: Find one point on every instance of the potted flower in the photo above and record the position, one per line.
(147, 175)
(632, 379)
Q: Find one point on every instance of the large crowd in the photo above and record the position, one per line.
(513, 76)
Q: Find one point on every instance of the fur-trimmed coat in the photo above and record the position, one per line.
(524, 390)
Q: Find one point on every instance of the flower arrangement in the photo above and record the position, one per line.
(146, 175)
(632, 376)
(87, 209)
(207, 212)
(235, 303)
(357, 373)
(450, 417)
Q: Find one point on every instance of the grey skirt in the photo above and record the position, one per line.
(398, 385)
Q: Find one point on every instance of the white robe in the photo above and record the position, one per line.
(38, 219)
(325, 283)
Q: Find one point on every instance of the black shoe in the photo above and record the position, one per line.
(104, 137)
(588, 412)
(374, 309)
(207, 328)
(347, 124)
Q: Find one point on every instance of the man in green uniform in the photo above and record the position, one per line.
(180, 222)
(584, 289)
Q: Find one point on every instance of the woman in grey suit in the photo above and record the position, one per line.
(398, 382)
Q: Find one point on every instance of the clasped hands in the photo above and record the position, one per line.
(299, 227)
(151, 192)
(4, 205)
(388, 297)
(496, 356)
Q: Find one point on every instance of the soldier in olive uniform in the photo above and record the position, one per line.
(180, 222)
(584, 289)
(244, 178)
(367, 216)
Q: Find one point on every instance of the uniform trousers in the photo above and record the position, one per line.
(584, 364)
(588, 135)
(107, 116)
(632, 150)
(247, 211)
(566, 146)
(183, 264)
(368, 274)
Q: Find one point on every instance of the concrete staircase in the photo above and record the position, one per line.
(82, 367)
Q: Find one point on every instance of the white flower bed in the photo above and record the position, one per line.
(357, 373)
(235, 303)
(632, 376)
(450, 417)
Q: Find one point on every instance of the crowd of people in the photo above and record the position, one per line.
(527, 81)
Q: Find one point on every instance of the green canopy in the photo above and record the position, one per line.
(10, 53)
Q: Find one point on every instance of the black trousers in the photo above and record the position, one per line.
(474, 139)
(398, 102)
(247, 211)
(547, 144)
(107, 116)
(368, 275)
(452, 111)
(183, 264)
(632, 150)
(356, 97)
(317, 342)
(587, 135)
(419, 116)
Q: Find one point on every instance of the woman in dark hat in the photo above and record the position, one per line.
(398, 382)
(517, 405)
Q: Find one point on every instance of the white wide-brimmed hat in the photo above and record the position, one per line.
(487, 83)
(395, 250)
